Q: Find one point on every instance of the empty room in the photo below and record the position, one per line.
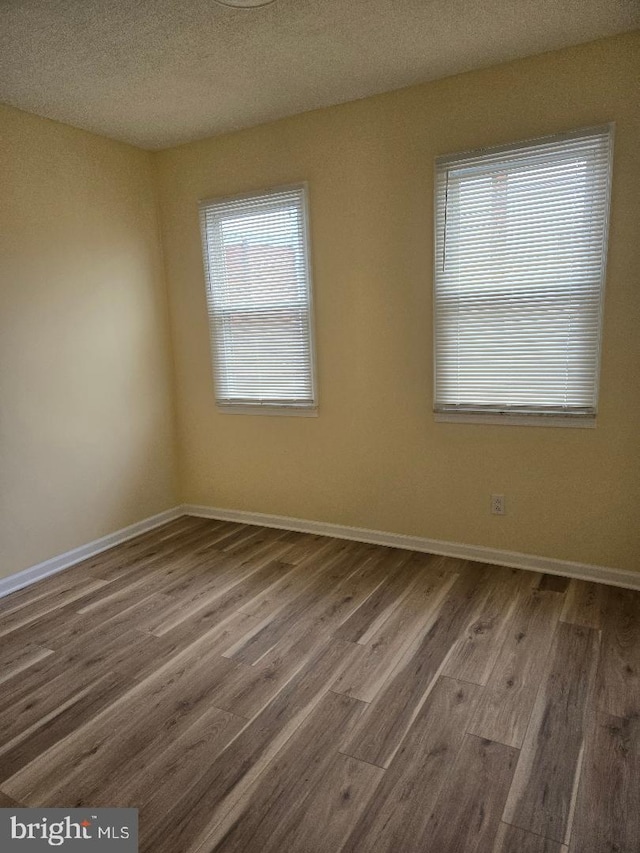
(320, 426)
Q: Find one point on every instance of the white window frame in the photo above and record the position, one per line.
(476, 415)
(296, 409)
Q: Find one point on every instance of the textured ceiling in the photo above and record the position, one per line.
(159, 72)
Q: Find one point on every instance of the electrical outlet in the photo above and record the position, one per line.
(497, 504)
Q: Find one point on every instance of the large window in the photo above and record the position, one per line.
(259, 298)
(521, 235)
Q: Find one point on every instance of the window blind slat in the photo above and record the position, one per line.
(259, 299)
(521, 237)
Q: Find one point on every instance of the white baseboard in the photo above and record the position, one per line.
(56, 564)
(513, 559)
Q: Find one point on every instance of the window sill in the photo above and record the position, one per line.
(566, 421)
(275, 411)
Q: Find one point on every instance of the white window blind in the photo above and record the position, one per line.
(521, 235)
(259, 300)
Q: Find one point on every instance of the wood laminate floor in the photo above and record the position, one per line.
(265, 691)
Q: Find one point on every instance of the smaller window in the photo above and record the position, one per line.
(521, 238)
(256, 258)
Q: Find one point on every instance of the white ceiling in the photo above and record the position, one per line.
(159, 72)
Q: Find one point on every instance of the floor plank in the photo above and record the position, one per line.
(8, 803)
(101, 694)
(74, 768)
(321, 618)
(248, 688)
(583, 604)
(475, 653)
(405, 569)
(507, 702)
(218, 601)
(46, 605)
(15, 660)
(258, 822)
(510, 839)
(324, 821)
(619, 670)
(310, 562)
(31, 695)
(553, 583)
(545, 784)
(368, 672)
(607, 815)
(467, 814)
(197, 816)
(398, 815)
(158, 774)
(391, 714)
(300, 612)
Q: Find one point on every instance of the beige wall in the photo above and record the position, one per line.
(375, 457)
(86, 418)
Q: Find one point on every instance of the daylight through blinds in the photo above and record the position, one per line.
(258, 293)
(520, 253)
